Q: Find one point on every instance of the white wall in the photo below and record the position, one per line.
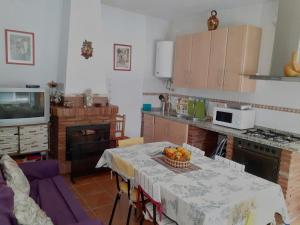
(43, 18)
(126, 87)
(267, 92)
(85, 24)
(156, 30)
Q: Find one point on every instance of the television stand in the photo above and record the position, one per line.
(24, 139)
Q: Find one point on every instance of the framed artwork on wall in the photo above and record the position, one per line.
(122, 57)
(19, 47)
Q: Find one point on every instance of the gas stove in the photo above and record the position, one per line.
(270, 135)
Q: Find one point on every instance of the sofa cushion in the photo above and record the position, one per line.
(6, 205)
(54, 192)
(15, 178)
(27, 212)
(40, 169)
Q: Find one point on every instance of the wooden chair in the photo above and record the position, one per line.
(192, 148)
(231, 163)
(124, 173)
(119, 125)
(130, 141)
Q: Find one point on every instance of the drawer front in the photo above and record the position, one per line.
(9, 148)
(36, 129)
(8, 131)
(9, 140)
(33, 146)
(33, 138)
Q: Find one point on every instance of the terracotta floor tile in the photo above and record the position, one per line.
(111, 188)
(97, 194)
(120, 216)
(91, 214)
(83, 180)
(89, 189)
(103, 213)
(84, 204)
(102, 176)
(98, 199)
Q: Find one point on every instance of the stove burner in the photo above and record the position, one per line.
(272, 135)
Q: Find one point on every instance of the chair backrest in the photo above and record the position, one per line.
(151, 190)
(192, 148)
(130, 141)
(231, 163)
(119, 124)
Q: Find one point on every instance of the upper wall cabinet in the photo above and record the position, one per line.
(182, 61)
(242, 54)
(199, 60)
(191, 61)
(217, 59)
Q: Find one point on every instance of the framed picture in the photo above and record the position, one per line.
(19, 47)
(122, 57)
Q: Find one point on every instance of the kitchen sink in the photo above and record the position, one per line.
(180, 116)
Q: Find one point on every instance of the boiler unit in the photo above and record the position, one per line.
(164, 59)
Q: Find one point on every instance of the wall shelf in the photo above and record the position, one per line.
(273, 78)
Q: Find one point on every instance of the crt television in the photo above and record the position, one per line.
(23, 106)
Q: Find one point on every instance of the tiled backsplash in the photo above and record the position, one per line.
(221, 102)
(272, 116)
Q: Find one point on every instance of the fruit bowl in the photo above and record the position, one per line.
(177, 157)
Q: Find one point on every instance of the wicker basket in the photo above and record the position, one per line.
(176, 163)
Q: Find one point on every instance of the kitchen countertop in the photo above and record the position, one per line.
(208, 125)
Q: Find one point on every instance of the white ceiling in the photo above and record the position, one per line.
(171, 9)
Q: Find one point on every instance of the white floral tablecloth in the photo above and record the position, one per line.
(213, 195)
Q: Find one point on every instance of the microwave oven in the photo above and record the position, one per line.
(234, 118)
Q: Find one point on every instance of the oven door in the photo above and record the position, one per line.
(257, 164)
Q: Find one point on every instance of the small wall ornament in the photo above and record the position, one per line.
(87, 49)
(213, 21)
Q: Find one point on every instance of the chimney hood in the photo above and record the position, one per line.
(287, 40)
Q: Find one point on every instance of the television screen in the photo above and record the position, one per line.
(15, 105)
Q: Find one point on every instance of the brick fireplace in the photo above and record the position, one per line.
(62, 118)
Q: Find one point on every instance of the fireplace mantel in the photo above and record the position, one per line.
(62, 117)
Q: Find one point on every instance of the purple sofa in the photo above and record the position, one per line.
(50, 192)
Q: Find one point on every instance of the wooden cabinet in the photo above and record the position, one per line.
(182, 60)
(199, 60)
(161, 129)
(148, 128)
(191, 61)
(33, 138)
(24, 139)
(242, 54)
(217, 58)
(168, 130)
(177, 132)
(157, 129)
(9, 140)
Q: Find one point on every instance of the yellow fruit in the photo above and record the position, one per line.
(179, 153)
(293, 68)
(295, 64)
(289, 72)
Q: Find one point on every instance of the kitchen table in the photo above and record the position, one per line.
(213, 195)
